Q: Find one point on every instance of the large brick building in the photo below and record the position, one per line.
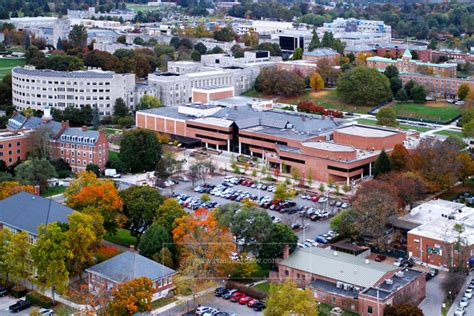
(77, 146)
(323, 147)
(350, 282)
(13, 146)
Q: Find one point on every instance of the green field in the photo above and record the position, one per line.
(325, 98)
(435, 111)
(141, 7)
(404, 127)
(54, 190)
(450, 133)
(6, 64)
(122, 238)
(113, 154)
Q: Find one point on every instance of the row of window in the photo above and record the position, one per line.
(75, 83)
(10, 152)
(10, 145)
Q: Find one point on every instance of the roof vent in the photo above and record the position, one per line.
(335, 253)
(389, 281)
(367, 261)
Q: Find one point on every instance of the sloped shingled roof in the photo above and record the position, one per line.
(128, 266)
(26, 211)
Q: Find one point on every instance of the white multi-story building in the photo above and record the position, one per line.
(49, 28)
(35, 89)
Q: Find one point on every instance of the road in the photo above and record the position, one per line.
(216, 302)
(7, 301)
(432, 304)
(313, 228)
(470, 307)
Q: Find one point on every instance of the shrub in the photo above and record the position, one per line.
(310, 107)
(18, 291)
(40, 300)
(105, 252)
(245, 289)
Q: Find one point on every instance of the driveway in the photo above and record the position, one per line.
(312, 230)
(431, 305)
(216, 302)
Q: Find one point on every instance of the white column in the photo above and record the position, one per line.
(347, 181)
(207, 146)
(240, 148)
(228, 145)
(370, 169)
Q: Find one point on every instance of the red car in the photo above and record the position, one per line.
(244, 300)
(237, 296)
(315, 198)
(252, 302)
(380, 258)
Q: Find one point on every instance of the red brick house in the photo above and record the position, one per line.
(126, 267)
(350, 282)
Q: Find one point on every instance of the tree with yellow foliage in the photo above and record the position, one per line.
(132, 297)
(286, 299)
(316, 82)
(9, 188)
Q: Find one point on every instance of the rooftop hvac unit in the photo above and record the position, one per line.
(389, 281)
(400, 274)
(339, 285)
(347, 287)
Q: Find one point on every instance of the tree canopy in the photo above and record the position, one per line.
(140, 150)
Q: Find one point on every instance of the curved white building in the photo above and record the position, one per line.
(35, 89)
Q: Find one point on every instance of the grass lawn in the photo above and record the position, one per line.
(54, 190)
(436, 111)
(112, 131)
(6, 64)
(163, 302)
(262, 287)
(63, 310)
(325, 309)
(113, 154)
(326, 98)
(451, 132)
(122, 237)
(141, 7)
(404, 127)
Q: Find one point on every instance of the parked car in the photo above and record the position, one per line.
(228, 295)
(252, 302)
(399, 262)
(468, 294)
(46, 312)
(237, 296)
(460, 311)
(244, 300)
(3, 291)
(258, 307)
(220, 291)
(320, 239)
(20, 306)
(380, 258)
(464, 301)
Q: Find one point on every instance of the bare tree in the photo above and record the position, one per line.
(39, 141)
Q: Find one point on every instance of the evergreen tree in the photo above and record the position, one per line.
(326, 42)
(27, 41)
(382, 165)
(120, 108)
(95, 117)
(59, 44)
(315, 42)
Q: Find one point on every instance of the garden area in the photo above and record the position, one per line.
(325, 310)
(53, 190)
(122, 237)
(326, 98)
(401, 126)
(433, 111)
(6, 65)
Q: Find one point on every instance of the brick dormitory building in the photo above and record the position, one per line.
(325, 147)
(78, 146)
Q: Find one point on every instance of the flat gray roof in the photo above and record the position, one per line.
(63, 74)
(338, 266)
(366, 131)
(328, 146)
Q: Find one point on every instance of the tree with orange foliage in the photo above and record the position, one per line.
(399, 157)
(96, 197)
(204, 245)
(132, 297)
(9, 188)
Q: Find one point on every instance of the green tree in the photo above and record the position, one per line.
(402, 95)
(120, 108)
(391, 72)
(272, 247)
(418, 94)
(402, 310)
(468, 128)
(297, 54)
(140, 150)
(82, 238)
(155, 238)
(463, 91)
(148, 102)
(78, 36)
(17, 254)
(139, 206)
(50, 254)
(382, 165)
(167, 213)
(386, 116)
(225, 34)
(5, 238)
(167, 165)
(94, 168)
(281, 192)
(95, 117)
(342, 223)
(165, 257)
(363, 86)
(315, 42)
(287, 299)
(36, 171)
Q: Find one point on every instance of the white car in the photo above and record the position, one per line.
(464, 302)
(323, 199)
(398, 262)
(211, 311)
(46, 312)
(202, 309)
(468, 294)
(460, 310)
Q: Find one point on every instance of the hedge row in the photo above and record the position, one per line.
(245, 289)
(39, 300)
(18, 291)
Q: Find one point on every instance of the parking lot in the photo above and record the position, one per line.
(312, 228)
(6, 301)
(215, 302)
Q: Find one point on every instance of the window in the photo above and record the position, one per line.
(287, 273)
(369, 309)
(333, 300)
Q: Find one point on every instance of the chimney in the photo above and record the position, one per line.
(286, 252)
(37, 190)
(46, 115)
(84, 128)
